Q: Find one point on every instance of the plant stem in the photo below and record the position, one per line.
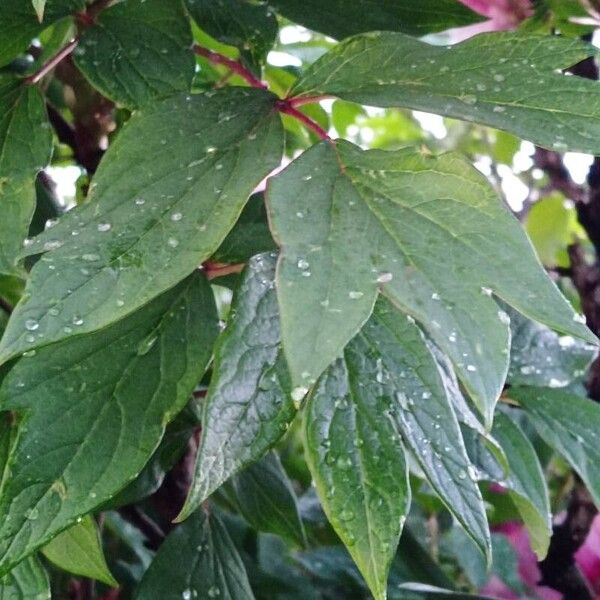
(284, 107)
(235, 66)
(5, 306)
(300, 100)
(53, 62)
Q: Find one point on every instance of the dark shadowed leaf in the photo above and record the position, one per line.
(481, 80)
(339, 18)
(94, 410)
(248, 407)
(25, 146)
(430, 233)
(197, 560)
(149, 223)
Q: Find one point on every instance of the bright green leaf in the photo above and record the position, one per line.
(39, 7)
(95, 408)
(137, 51)
(482, 79)
(197, 560)
(149, 222)
(25, 146)
(78, 550)
(430, 233)
(27, 581)
(248, 407)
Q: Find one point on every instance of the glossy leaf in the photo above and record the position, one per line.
(569, 424)
(25, 146)
(418, 402)
(20, 23)
(427, 231)
(78, 550)
(149, 223)
(265, 497)
(340, 19)
(357, 461)
(138, 50)
(197, 560)
(248, 407)
(95, 408)
(482, 80)
(27, 581)
(252, 28)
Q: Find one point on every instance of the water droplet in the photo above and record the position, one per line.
(214, 591)
(146, 345)
(173, 242)
(104, 227)
(462, 474)
(50, 223)
(186, 594)
(32, 514)
(52, 245)
(471, 368)
(303, 264)
(298, 393)
(499, 77)
(355, 295)
(77, 320)
(384, 277)
(31, 324)
(140, 201)
(176, 216)
(90, 257)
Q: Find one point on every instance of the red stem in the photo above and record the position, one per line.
(284, 106)
(300, 100)
(231, 64)
(57, 58)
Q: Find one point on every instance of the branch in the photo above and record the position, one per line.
(284, 107)
(52, 63)
(300, 100)
(233, 65)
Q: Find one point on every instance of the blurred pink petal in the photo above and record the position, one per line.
(588, 556)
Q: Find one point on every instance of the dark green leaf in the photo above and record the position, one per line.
(250, 27)
(25, 146)
(19, 23)
(78, 550)
(248, 407)
(138, 50)
(149, 222)
(352, 222)
(481, 80)
(339, 18)
(266, 499)
(570, 425)
(27, 581)
(197, 560)
(95, 408)
(540, 357)
(357, 461)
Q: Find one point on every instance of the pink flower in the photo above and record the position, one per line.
(588, 556)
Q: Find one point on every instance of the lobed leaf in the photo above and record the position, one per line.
(148, 222)
(511, 81)
(94, 409)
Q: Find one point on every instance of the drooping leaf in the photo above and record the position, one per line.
(430, 233)
(94, 409)
(20, 23)
(27, 581)
(482, 80)
(197, 560)
(540, 357)
(137, 51)
(248, 407)
(340, 19)
(357, 461)
(250, 27)
(418, 402)
(25, 146)
(523, 480)
(149, 222)
(266, 499)
(78, 550)
(569, 424)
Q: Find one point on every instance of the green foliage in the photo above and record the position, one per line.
(246, 360)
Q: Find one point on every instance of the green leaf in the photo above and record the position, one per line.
(417, 395)
(78, 550)
(95, 408)
(249, 236)
(339, 19)
(540, 357)
(137, 51)
(20, 23)
(410, 591)
(39, 7)
(149, 222)
(250, 27)
(570, 425)
(248, 407)
(265, 498)
(357, 461)
(27, 581)
(197, 560)
(25, 147)
(430, 233)
(481, 80)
